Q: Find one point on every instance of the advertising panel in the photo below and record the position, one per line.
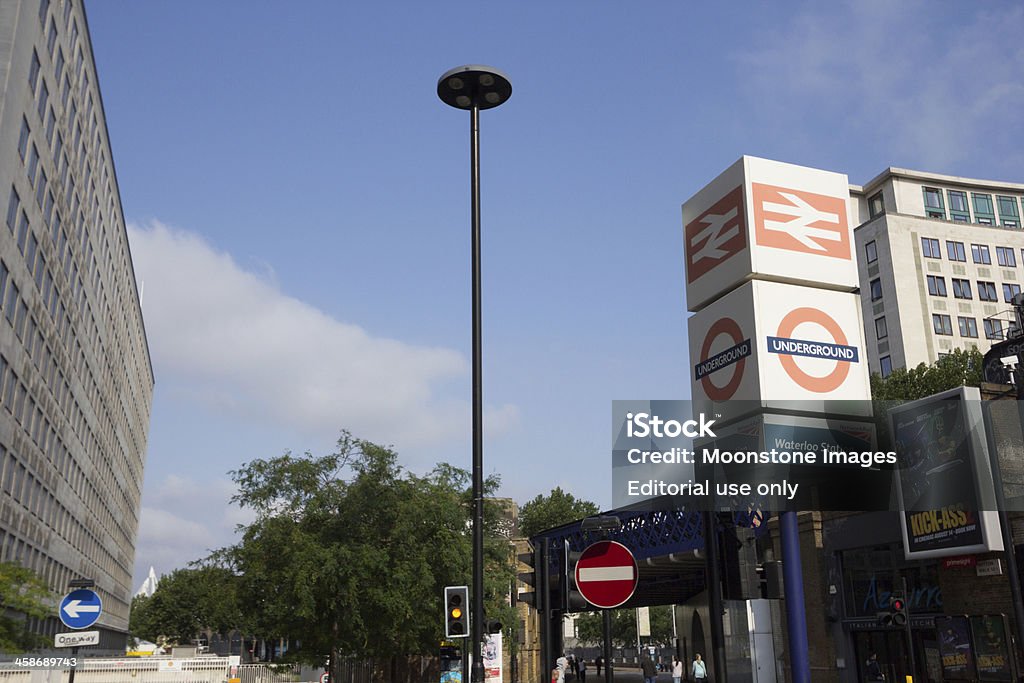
(990, 647)
(766, 219)
(955, 649)
(944, 482)
(771, 342)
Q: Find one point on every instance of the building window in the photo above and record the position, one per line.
(58, 69)
(13, 204)
(987, 291)
(1009, 215)
(871, 251)
(51, 38)
(955, 251)
(1010, 291)
(33, 164)
(876, 205)
(876, 289)
(23, 138)
(886, 364)
(958, 209)
(881, 329)
(980, 254)
(962, 288)
(930, 247)
(942, 324)
(44, 97)
(983, 212)
(33, 73)
(933, 207)
(1006, 256)
(993, 328)
(968, 327)
(936, 285)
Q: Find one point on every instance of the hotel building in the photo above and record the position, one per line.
(940, 258)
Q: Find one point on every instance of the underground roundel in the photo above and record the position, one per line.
(789, 346)
(720, 374)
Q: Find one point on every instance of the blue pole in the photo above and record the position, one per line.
(793, 581)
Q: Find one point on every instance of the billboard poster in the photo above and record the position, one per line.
(944, 480)
(491, 654)
(955, 648)
(990, 647)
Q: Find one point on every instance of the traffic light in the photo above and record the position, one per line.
(494, 626)
(456, 614)
(895, 614)
(532, 561)
(572, 599)
(898, 608)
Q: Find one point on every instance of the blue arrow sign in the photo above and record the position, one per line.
(80, 608)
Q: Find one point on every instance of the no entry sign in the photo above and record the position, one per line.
(606, 574)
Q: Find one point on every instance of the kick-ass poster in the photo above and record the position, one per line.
(990, 647)
(955, 649)
(942, 474)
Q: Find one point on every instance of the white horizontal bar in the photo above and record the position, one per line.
(606, 574)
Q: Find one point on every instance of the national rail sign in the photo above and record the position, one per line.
(80, 608)
(769, 220)
(606, 574)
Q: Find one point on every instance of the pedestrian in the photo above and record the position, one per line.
(699, 670)
(650, 671)
(582, 670)
(574, 666)
(562, 663)
(677, 670)
(873, 668)
(598, 663)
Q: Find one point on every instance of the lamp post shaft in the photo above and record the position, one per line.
(477, 614)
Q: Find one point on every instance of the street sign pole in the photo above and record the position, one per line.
(607, 619)
(74, 655)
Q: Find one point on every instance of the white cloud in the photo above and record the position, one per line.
(232, 339)
(928, 86)
(183, 520)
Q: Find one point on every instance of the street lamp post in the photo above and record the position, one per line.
(474, 88)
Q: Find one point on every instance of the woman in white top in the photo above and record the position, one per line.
(677, 670)
(699, 670)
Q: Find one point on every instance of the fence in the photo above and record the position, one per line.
(153, 670)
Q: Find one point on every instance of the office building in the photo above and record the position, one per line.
(75, 375)
(940, 258)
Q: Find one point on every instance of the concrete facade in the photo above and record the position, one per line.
(933, 245)
(76, 380)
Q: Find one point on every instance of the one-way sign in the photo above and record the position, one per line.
(80, 608)
(76, 639)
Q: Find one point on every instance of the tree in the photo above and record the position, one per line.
(23, 595)
(959, 368)
(590, 627)
(555, 509)
(356, 566)
(186, 602)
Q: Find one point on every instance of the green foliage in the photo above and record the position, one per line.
(623, 631)
(555, 509)
(22, 595)
(349, 554)
(186, 602)
(959, 368)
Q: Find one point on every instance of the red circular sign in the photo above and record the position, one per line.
(819, 385)
(606, 574)
(731, 329)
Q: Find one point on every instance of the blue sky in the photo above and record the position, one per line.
(298, 201)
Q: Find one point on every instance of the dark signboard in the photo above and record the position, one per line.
(955, 648)
(990, 647)
(943, 473)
